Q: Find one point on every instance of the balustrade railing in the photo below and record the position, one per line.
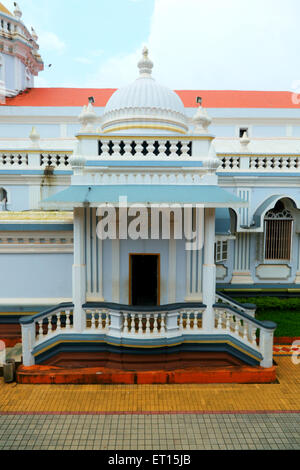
(144, 323)
(259, 162)
(190, 321)
(97, 320)
(249, 309)
(10, 160)
(43, 326)
(150, 148)
(55, 322)
(253, 333)
(132, 321)
(58, 161)
(154, 322)
(13, 160)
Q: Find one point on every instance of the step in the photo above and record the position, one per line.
(100, 375)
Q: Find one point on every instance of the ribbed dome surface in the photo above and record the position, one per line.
(145, 93)
(145, 106)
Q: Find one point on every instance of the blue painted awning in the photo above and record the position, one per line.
(209, 196)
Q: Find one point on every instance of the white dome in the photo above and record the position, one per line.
(145, 93)
(145, 106)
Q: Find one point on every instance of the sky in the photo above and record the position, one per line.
(194, 44)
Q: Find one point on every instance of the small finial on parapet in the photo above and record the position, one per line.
(245, 141)
(88, 117)
(35, 138)
(34, 35)
(201, 119)
(17, 11)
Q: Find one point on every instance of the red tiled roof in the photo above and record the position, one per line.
(211, 98)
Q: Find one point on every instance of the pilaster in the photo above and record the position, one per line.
(79, 267)
(209, 271)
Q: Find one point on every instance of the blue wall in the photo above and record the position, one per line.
(36, 275)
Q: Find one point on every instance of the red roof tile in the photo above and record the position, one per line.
(211, 98)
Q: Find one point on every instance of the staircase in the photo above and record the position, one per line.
(166, 338)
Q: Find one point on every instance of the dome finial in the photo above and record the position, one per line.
(145, 52)
(145, 64)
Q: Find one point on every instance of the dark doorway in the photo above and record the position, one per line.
(144, 280)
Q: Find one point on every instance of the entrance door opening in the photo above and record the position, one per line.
(144, 280)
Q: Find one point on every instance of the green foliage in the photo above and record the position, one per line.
(275, 303)
(284, 312)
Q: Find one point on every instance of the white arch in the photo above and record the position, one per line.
(268, 204)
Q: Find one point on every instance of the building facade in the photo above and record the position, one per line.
(238, 158)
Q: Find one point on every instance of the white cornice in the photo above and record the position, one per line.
(259, 181)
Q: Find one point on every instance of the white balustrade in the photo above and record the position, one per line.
(57, 161)
(25, 160)
(150, 149)
(260, 162)
(246, 308)
(142, 324)
(157, 324)
(234, 324)
(13, 160)
(190, 321)
(97, 320)
(54, 323)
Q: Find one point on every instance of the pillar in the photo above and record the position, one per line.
(79, 276)
(172, 271)
(241, 270)
(209, 271)
(194, 260)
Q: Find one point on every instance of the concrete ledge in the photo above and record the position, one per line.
(203, 375)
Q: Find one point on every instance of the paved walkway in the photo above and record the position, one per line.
(156, 398)
(153, 416)
(154, 432)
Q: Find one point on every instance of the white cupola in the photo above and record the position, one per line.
(145, 107)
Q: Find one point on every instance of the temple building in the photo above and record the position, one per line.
(128, 218)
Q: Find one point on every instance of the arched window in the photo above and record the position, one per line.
(278, 233)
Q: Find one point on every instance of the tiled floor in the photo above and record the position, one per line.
(154, 432)
(156, 398)
(169, 417)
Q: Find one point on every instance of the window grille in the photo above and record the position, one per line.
(278, 234)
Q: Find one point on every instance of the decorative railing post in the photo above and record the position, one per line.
(34, 159)
(172, 322)
(28, 337)
(245, 162)
(116, 323)
(266, 344)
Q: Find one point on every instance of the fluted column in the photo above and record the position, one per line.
(79, 268)
(209, 270)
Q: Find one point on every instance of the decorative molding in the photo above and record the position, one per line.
(273, 271)
(39, 216)
(222, 271)
(36, 242)
(242, 278)
(31, 302)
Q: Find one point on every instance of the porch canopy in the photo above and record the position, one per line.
(81, 196)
